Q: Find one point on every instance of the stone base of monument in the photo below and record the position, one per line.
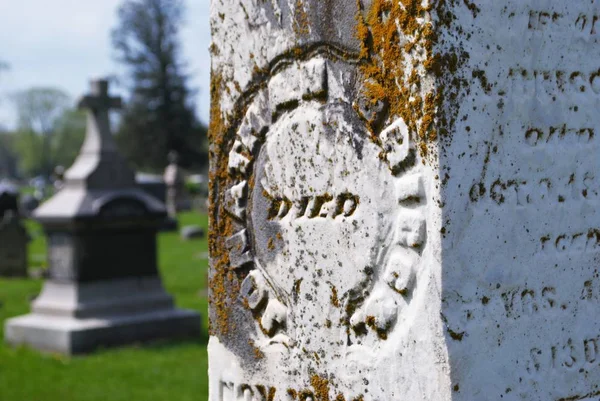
(74, 319)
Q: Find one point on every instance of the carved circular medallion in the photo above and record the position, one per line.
(329, 222)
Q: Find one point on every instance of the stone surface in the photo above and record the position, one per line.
(13, 235)
(104, 286)
(404, 200)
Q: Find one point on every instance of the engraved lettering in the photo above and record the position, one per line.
(551, 83)
(231, 391)
(590, 348)
(569, 243)
(556, 135)
(587, 23)
(226, 391)
(527, 302)
(321, 206)
(570, 355)
(519, 192)
(539, 20)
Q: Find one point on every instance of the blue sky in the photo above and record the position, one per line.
(64, 43)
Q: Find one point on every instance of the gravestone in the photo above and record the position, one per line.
(155, 186)
(58, 177)
(192, 232)
(13, 235)
(177, 195)
(40, 186)
(404, 200)
(28, 204)
(104, 287)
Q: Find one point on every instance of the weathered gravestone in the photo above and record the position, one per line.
(404, 200)
(13, 235)
(104, 286)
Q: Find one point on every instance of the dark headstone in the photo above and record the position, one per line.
(101, 230)
(13, 235)
(28, 204)
(9, 199)
(153, 185)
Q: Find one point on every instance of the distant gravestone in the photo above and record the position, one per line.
(28, 204)
(59, 176)
(152, 184)
(155, 186)
(13, 235)
(192, 232)
(405, 200)
(104, 287)
(177, 195)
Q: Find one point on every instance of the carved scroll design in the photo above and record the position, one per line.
(377, 306)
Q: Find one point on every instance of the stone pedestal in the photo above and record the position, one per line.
(104, 287)
(404, 200)
(76, 318)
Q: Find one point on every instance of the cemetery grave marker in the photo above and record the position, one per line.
(404, 200)
(104, 287)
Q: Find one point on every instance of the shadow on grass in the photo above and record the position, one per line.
(155, 345)
(160, 345)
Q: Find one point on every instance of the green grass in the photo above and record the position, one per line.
(162, 371)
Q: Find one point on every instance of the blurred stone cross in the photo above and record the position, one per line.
(99, 165)
(99, 103)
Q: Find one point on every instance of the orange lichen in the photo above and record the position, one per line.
(301, 21)
(219, 227)
(224, 284)
(400, 65)
(334, 297)
(257, 352)
(321, 387)
(393, 35)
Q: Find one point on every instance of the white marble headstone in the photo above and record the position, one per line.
(404, 200)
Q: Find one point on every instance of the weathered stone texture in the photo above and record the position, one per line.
(404, 200)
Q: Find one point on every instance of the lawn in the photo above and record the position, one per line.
(162, 371)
